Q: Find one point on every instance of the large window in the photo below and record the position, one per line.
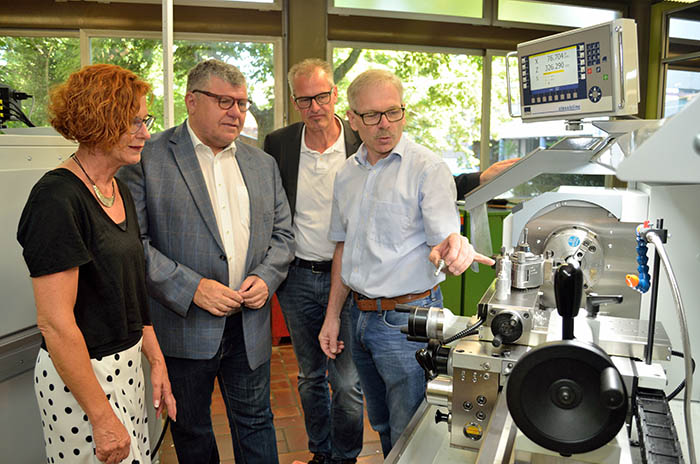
(145, 56)
(681, 87)
(33, 65)
(142, 56)
(442, 92)
(444, 9)
(682, 60)
(254, 4)
(537, 12)
(256, 62)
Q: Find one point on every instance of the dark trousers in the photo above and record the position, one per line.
(334, 422)
(246, 394)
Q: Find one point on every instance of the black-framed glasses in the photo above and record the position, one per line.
(138, 122)
(321, 98)
(226, 102)
(372, 118)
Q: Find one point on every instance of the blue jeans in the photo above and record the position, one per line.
(333, 424)
(246, 394)
(392, 380)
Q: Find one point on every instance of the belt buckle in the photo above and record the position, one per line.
(314, 270)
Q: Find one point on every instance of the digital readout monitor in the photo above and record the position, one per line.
(554, 69)
(587, 72)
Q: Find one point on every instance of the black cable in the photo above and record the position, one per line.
(15, 116)
(16, 111)
(681, 386)
(19, 114)
(160, 440)
(466, 332)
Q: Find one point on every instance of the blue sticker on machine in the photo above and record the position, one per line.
(574, 241)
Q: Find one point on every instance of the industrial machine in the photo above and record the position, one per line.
(570, 383)
(526, 379)
(567, 357)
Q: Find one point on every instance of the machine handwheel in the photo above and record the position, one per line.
(567, 396)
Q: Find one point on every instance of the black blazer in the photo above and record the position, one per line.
(285, 144)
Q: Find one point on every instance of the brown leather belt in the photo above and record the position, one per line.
(387, 304)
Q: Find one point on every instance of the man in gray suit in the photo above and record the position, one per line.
(216, 229)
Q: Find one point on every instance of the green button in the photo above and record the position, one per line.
(605, 77)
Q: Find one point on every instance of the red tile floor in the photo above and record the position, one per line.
(292, 441)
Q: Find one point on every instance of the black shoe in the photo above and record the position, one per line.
(320, 459)
(344, 461)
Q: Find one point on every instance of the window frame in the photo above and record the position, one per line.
(276, 5)
(669, 63)
(346, 11)
(549, 27)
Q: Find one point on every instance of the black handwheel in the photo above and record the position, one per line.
(567, 396)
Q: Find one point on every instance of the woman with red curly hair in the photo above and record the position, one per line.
(82, 246)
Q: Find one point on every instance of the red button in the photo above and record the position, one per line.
(590, 70)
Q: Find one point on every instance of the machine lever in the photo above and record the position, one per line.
(434, 359)
(497, 341)
(612, 394)
(424, 356)
(441, 416)
(594, 300)
(568, 288)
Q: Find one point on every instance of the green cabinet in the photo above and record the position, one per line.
(461, 294)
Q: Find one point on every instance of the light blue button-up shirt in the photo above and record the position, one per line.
(389, 215)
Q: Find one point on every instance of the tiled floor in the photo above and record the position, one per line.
(292, 441)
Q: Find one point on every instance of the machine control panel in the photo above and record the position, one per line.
(476, 392)
(586, 72)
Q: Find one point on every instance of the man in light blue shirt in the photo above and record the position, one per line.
(393, 218)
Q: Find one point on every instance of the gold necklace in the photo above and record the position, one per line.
(105, 200)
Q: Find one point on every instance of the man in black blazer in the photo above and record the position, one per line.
(309, 154)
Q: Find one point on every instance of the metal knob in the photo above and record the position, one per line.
(441, 417)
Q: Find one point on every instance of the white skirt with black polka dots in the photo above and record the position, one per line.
(67, 432)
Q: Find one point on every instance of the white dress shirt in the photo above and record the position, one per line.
(314, 198)
(229, 200)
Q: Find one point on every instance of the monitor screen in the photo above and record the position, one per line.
(554, 69)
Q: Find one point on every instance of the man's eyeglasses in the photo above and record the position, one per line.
(138, 122)
(322, 99)
(226, 102)
(373, 118)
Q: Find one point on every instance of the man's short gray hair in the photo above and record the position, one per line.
(369, 78)
(200, 75)
(306, 68)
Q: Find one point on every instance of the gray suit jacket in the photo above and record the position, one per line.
(182, 243)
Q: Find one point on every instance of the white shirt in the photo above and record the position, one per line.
(314, 198)
(230, 202)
